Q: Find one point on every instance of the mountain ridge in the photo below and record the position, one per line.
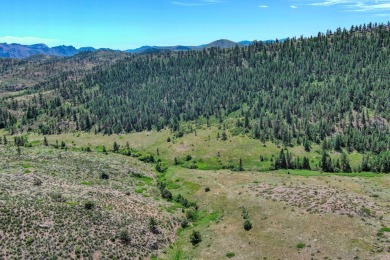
(20, 51)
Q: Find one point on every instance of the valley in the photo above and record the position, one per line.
(264, 150)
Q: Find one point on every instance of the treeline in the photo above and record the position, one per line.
(370, 163)
(7, 120)
(285, 160)
(299, 91)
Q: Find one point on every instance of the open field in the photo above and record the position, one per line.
(330, 216)
(207, 151)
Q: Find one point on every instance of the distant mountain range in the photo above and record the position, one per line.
(220, 43)
(20, 51)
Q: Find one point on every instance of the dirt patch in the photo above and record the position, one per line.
(319, 200)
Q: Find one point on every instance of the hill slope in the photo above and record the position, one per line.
(68, 204)
(297, 92)
(16, 75)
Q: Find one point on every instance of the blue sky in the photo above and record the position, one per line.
(125, 24)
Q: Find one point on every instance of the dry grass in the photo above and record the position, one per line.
(335, 227)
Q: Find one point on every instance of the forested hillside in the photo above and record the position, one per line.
(332, 89)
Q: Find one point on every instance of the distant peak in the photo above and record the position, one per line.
(222, 43)
(39, 46)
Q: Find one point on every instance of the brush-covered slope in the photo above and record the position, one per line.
(70, 204)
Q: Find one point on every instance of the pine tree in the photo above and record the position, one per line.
(45, 142)
(306, 144)
(345, 167)
(306, 164)
(115, 147)
(224, 136)
(240, 166)
(326, 162)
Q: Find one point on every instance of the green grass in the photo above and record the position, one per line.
(316, 173)
(140, 190)
(72, 203)
(385, 229)
(208, 152)
(173, 186)
(206, 218)
(191, 187)
(27, 165)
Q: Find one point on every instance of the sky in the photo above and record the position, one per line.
(127, 24)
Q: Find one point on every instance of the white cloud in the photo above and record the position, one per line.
(357, 5)
(330, 2)
(28, 40)
(263, 6)
(294, 6)
(363, 7)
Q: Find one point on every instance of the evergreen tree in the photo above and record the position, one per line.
(306, 164)
(115, 147)
(45, 142)
(326, 162)
(345, 167)
(240, 166)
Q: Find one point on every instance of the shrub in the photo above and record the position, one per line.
(124, 236)
(230, 255)
(57, 197)
(136, 174)
(245, 213)
(104, 176)
(147, 158)
(193, 166)
(247, 225)
(176, 161)
(161, 167)
(366, 211)
(37, 182)
(191, 214)
(153, 225)
(183, 201)
(301, 245)
(195, 237)
(184, 223)
(89, 204)
(166, 194)
(207, 189)
(29, 241)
